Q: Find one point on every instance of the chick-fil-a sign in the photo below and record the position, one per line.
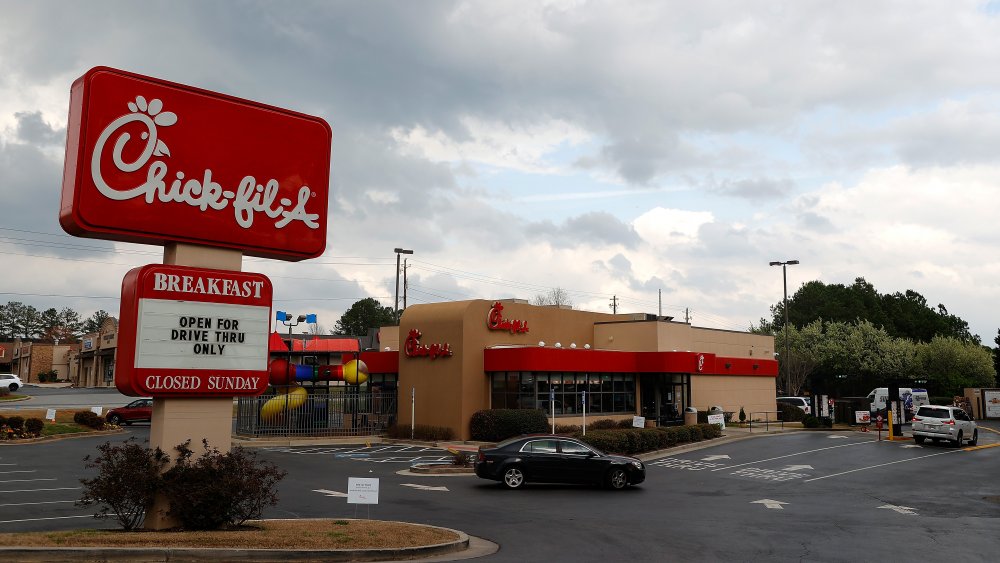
(198, 332)
(153, 161)
(414, 349)
(495, 321)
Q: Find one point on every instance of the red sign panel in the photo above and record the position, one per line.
(153, 162)
(193, 332)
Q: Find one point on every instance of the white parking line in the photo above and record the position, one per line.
(795, 454)
(32, 503)
(879, 465)
(40, 519)
(18, 471)
(42, 490)
(26, 480)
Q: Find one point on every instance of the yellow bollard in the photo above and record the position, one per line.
(889, 411)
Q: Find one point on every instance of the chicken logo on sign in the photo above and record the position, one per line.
(248, 198)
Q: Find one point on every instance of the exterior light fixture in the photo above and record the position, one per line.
(586, 346)
(784, 277)
(558, 345)
(398, 251)
(572, 345)
(541, 343)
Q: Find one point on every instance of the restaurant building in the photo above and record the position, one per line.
(460, 357)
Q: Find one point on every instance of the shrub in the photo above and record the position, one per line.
(34, 426)
(791, 413)
(16, 423)
(89, 419)
(695, 433)
(810, 421)
(709, 431)
(499, 424)
(421, 432)
(3, 420)
(743, 415)
(568, 428)
(219, 489)
(461, 459)
(702, 417)
(127, 478)
(603, 424)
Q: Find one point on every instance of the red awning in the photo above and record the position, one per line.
(277, 344)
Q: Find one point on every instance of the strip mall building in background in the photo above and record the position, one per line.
(457, 358)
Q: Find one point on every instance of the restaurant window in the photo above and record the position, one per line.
(606, 393)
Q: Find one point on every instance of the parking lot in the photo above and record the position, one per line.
(824, 496)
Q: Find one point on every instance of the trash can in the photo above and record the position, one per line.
(690, 416)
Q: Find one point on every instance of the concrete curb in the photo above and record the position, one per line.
(170, 554)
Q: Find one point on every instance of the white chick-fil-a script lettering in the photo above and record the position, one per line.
(204, 193)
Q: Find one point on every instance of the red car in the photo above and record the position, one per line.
(139, 410)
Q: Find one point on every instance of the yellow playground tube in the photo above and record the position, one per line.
(293, 398)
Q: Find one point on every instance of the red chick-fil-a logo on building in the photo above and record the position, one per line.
(156, 162)
(414, 349)
(495, 321)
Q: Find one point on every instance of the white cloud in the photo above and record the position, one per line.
(670, 227)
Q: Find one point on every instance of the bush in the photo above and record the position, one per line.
(496, 425)
(696, 433)
(569, 428)
(810, 421)
(89, 419)
(603, 424)
(743, 415)
(421, 432)
(709, 431)
(16, 423)
(461, 459)
(631, 441)
(790, 413)
(3, 420)
(34, 426)
(219, 489)
(128, 477)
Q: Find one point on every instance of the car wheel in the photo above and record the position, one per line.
(918, 439)
(975, 438)
(958, 440)
(13, 387)
(513, 477)
(114, 419)
(617, 478)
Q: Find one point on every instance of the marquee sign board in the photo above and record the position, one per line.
(199, 332)
(152, 161)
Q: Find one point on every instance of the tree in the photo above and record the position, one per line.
(62, 326)
(93, 324)
(952, 365)
(365, 314)
(556, 296)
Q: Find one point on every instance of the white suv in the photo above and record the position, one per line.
(10, 381)
(800, 402)
(944, 423)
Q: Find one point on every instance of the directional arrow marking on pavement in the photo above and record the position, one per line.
(770, 503)
(899, 509)
(330, 493)
(715, 457)
(912, 446)
(797, 467)
(835, 436)
(424, 487)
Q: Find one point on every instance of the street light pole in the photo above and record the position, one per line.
(398, 251)
(784, 276)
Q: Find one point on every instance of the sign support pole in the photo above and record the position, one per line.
(552, 406)
(583, 401)
(413, 411)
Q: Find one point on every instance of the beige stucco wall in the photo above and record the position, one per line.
(665, 336)
(755, 394)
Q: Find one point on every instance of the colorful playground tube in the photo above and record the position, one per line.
(285, 377)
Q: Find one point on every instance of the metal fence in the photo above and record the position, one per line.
(321, 414)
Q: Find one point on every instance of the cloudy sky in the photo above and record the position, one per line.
(607, 148)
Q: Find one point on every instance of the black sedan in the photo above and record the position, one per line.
(556, 459)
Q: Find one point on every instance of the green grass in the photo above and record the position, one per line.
(57, 428)
(11, 397)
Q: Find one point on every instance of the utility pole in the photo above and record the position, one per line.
(395, 310)
(614, 304)
(687, 315)
(405, 266)
(659, 298)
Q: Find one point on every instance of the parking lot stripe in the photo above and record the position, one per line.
(39, 519)
(18, 471)
(31, 503)
(42, 490)
(983, 447)
(793, 455)
(880, 465)
(27, 480)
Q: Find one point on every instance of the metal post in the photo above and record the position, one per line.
(413, 410)
(784, 276)
(583, 399)
(395, 308)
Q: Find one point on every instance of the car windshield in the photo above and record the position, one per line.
(934, 413)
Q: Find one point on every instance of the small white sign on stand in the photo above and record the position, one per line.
(862, 417)
(639, 421)
(97, 410)
(50, 414)
(719, 419)
(362, 490)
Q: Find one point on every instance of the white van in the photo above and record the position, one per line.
(912, 399)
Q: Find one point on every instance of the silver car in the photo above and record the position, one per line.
(944, 423)
(10, 381)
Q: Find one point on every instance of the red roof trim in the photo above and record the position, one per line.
(612, 361)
